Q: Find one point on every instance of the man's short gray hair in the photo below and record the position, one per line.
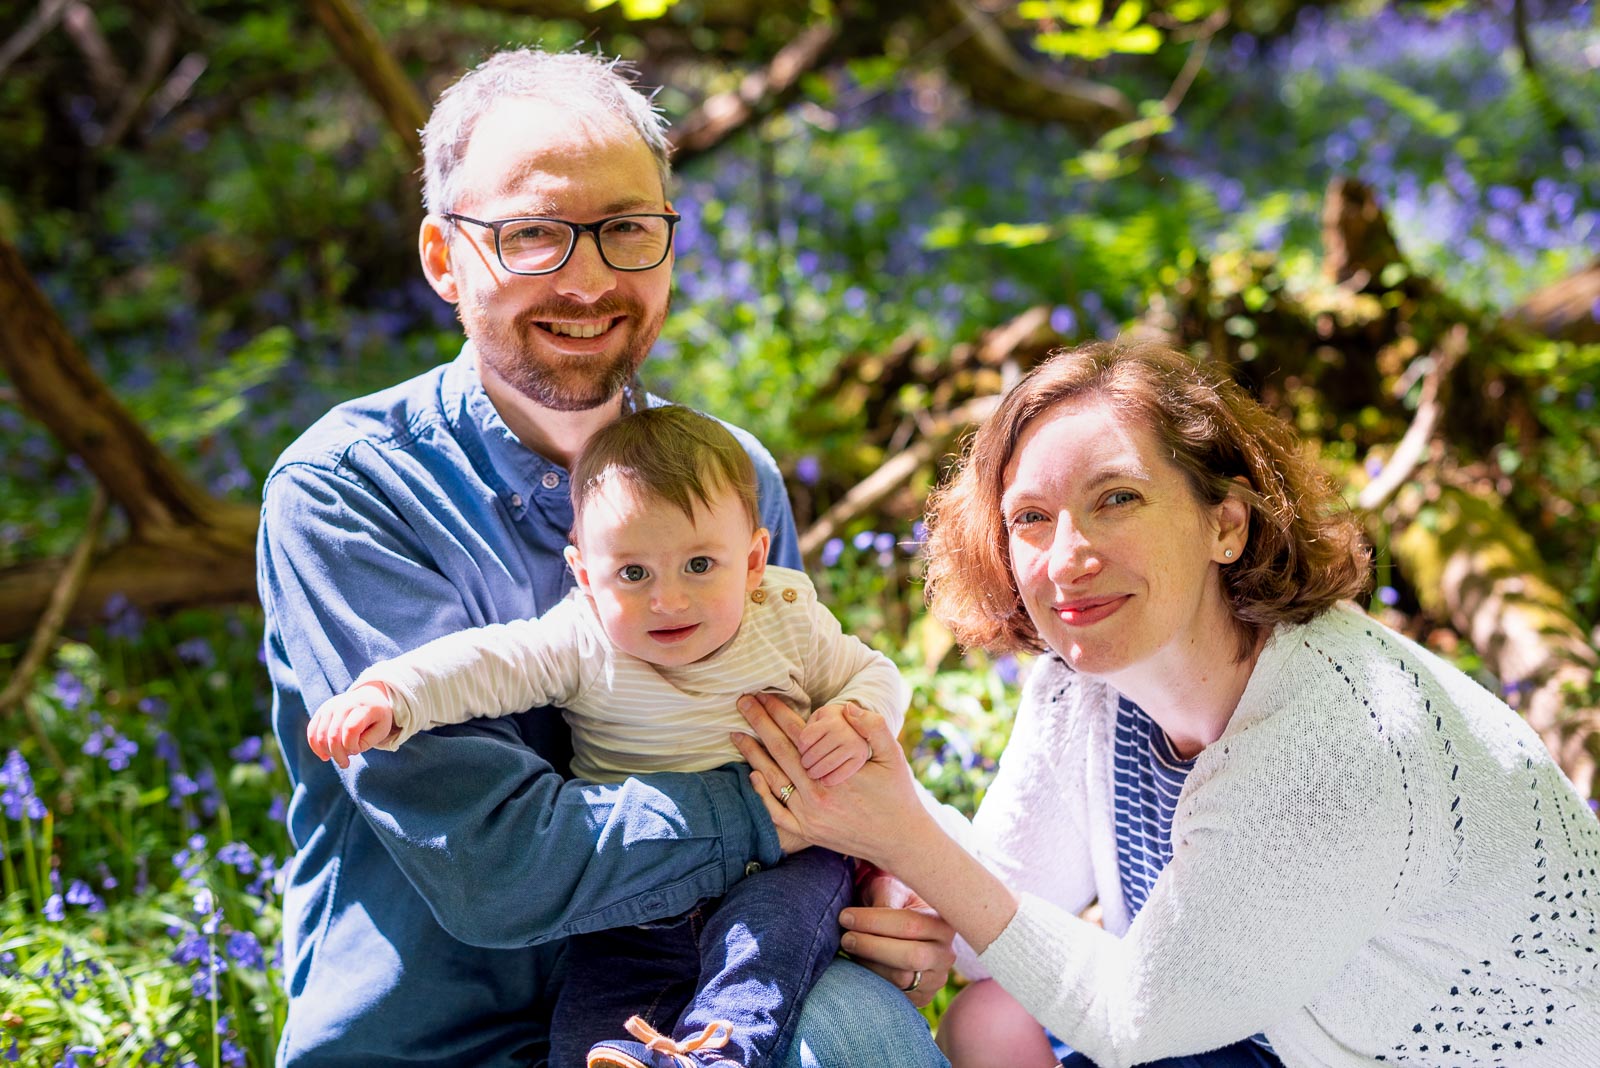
(571, 81)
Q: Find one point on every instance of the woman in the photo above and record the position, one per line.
(1306, 833)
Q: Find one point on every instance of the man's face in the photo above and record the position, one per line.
(568, 340)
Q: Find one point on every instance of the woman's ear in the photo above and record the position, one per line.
(756, 565)
(1232, 518)
(574, 560)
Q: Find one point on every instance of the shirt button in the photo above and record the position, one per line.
(752, 867)
(550, 480)
(758, 595)
(790, 595)
(516, 500)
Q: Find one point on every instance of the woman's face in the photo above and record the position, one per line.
(1116, 559)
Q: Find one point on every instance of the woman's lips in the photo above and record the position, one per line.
(1083, 613)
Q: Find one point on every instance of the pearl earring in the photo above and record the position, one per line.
(1228, 553)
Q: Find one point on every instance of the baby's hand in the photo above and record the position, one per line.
(830, 749)
(353, 722)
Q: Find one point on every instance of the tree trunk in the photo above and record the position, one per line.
(185, 546)
(1472, 565)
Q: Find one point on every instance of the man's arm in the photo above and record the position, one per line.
(504, 851)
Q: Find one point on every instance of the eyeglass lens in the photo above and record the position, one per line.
(629, 241)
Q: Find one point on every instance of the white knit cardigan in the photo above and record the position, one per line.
(1377, 862)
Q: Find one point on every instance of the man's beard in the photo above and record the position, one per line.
(561, 382)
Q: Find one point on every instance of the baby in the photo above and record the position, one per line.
(675, 616)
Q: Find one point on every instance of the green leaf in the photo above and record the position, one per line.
(1014, 235)
(1127, 15)
(635, 9)
(1072, 12)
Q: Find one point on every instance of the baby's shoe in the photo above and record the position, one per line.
(655, 1050)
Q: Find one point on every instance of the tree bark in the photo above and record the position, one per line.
(1000, 77)
(1471, 564)
(759, 93)
(363, 51)
(59, 388)
(1568, 310)
(185, 547)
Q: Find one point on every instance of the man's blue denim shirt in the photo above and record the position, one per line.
(432, 887)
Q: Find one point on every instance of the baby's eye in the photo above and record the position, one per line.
(632, 573)
(699, 565)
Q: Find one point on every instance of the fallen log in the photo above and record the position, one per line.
(1471, 564)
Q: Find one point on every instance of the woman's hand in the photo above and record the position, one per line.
(896, 934)
(865, 816)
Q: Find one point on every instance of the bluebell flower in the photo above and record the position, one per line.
(16, 790)
(69, 689)
(1008, 669)
(832, 549)
(247, 750)
(863, 541)
(193, 948)
(245, 948)
(55, 910)
(1389, 595)
(238, 856)
(1063, 320)
(808, 469)
(196, 651)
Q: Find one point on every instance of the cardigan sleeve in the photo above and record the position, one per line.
(1032, 829)
(1288, 854)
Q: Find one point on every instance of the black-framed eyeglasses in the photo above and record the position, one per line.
(538, 244)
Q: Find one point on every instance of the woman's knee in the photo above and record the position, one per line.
(984, 1027)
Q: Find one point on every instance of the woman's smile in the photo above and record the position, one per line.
(1083, 612)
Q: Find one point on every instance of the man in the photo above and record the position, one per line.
(432, 888)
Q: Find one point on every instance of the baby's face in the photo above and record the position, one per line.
(668, 589)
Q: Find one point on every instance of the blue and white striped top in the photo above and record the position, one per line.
(1147, 776)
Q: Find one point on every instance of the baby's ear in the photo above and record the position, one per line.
(756, 566)
(575, 561)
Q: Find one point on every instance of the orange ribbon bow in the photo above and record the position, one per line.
(715, 1036)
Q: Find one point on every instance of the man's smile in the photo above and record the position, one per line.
(588, 328)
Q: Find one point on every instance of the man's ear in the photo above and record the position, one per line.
(575, 561)
(433, 245)
(756, 565)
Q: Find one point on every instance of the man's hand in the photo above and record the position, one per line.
(352, 722)
(830, 749)
(897, 935)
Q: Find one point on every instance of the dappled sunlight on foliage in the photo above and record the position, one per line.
(248, 261)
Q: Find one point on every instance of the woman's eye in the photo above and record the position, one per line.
(1121, 497)
(1027, 518)
(699, 565)
(633, 573)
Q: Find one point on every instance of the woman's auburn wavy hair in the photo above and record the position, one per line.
(1305, 551)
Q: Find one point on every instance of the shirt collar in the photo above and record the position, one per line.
(522, 476)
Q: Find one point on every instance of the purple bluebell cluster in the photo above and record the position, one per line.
(17, 798)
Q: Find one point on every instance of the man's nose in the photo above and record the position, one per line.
(585, 277)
